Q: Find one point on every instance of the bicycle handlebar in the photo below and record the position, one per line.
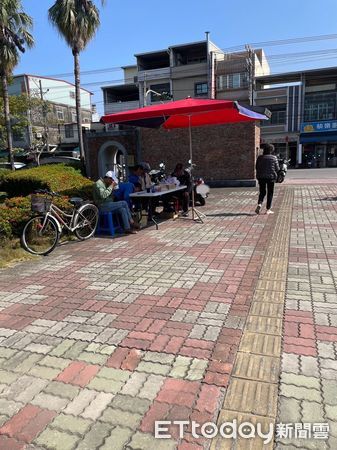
(46, 192)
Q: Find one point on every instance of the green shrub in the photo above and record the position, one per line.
(56, 177)
(3, 174)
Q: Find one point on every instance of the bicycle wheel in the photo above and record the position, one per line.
(38, 239)
(86, 222)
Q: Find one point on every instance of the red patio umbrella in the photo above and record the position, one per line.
(186, 113)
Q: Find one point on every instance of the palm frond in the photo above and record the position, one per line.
(76, 20)
(15, 26)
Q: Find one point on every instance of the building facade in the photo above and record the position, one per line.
(197, 69)
(60, 119)
(303, 126)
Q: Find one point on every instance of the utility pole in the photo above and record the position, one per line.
(144, 90)
(250, 61)
(44, 114)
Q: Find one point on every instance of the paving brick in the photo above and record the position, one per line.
(117, 439)
(80, 402)
(71, 424)
(132, 404)
(61, 390)
(20, 420)
(97, 405)
(146, 441)
(313, 412)
(47, 373)
(9, 406)
(36, 425)
(70, 372)
(251, 397)
(95, 436)
(300, 393)
(300, 380)
(329, 392)
(153, 368)
(289, 410)
(134, 383)
(121, 418)
(56, 440)
(51, 402)
(151, 387)
(7, 443)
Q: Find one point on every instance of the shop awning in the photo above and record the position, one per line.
(312, 138)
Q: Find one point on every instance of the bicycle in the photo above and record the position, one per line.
(42, 232)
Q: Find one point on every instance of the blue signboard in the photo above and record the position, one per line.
(314, 127)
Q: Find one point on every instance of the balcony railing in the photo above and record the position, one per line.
(154, 74)
(115, 107)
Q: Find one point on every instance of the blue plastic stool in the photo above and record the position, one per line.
(108, 223)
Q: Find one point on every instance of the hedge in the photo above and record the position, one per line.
(4, 173)
(59, 178)
(16, 210)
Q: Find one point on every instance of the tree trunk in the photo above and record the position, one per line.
(78, 103)
(7, 121)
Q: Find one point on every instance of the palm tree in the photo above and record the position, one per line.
(77, 21)
(15, 26)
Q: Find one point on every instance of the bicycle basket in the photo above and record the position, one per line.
(40, 204)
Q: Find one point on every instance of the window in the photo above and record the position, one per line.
(69, 130)
(278, 115)
(236, 80)
(160, 88)
(72, 94)
(201, 88)
(232, 81)
(320, 106)
(59, 114)
(73, 116)
(18, 135)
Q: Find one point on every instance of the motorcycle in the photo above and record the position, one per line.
(158, 175)
(201, 189)
(283, 163)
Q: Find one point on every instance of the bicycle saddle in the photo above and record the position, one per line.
(76, 201)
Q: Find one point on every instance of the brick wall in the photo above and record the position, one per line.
(93, 144)
(224, 154)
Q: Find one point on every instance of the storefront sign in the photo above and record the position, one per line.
(314, 127)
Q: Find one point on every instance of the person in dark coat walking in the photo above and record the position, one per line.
(267, 167)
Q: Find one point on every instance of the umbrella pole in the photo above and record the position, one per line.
(196, 215)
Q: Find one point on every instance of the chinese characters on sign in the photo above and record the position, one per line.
(312, 127)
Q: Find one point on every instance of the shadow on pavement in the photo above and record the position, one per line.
(329, 199)
(231, 214)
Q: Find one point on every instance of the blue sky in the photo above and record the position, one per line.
(133, 26)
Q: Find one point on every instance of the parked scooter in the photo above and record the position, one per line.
(283, 163)
(201, 189)
(157, 175)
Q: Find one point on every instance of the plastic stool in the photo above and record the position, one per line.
(108, 223)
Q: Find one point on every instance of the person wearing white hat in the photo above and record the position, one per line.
(103, 198)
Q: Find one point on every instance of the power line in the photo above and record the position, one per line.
(238, 47)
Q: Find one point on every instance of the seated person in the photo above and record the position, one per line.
(145, 178)
(135, 177)
(184, 177)
(103, 198)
